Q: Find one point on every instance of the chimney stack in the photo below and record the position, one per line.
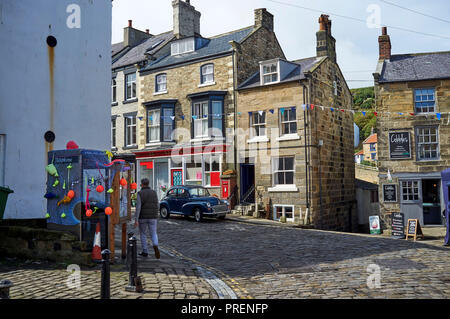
(147, 31)
(326, 44)
(263, 18)
(132, 36)
(186, 20)
(384, 43)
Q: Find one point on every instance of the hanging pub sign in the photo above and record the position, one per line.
(399, 145)
(398, 225)
(374, 224)
(390, 193)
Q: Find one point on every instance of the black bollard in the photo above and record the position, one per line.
(4, 288)
(105, 289)
(134, 283)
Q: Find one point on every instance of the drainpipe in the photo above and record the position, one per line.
(306, 150)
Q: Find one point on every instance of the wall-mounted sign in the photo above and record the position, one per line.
(374, 224)
(399, 145)
(390, 193)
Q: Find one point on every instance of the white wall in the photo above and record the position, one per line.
(82, 90)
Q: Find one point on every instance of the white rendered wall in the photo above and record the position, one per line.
(82, 89)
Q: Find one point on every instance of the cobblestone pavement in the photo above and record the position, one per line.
(262, 261)
(167, 278)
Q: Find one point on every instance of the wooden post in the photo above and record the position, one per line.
(115, 205)
(124, 240)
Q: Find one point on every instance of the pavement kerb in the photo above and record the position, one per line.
(269, 223)
(219, 281)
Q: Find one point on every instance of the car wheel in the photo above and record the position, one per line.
(164, 213)
(198, 215)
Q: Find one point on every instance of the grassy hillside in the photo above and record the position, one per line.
(364, 100)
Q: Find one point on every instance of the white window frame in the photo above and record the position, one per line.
(271, 73)
(259, 125)
(201, 119)
(159, 83)
(282, 121)
(113, 90)
(182, 46)
(420, 142)
(210, 159)
(130, 130)
(113, 132)
(194, 181)
(204, 74)
(130, 84)
(154, 124)
(276, 171)
(415, 184)
(283, 213)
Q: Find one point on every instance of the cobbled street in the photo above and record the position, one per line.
(260, 261)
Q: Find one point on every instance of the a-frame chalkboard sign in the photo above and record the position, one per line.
(413, 229)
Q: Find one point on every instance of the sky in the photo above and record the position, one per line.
(355, 26)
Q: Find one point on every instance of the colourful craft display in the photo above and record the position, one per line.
(63, 215)
(109, 191)
(51, 169)
(108, 211)
(89, 213)
(64, 201)
(123, 182)
(56, 183)
(133, 186)
(100, 188)
(71, 194)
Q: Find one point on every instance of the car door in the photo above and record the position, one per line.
(182, 198)
(172, 200)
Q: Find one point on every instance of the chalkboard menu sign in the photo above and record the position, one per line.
(398, 225)
(390, 193)
(399, 145)
(413, 229)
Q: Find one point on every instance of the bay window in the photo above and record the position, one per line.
(160, 121)
(207, 114)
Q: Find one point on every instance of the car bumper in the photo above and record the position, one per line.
(213, 212)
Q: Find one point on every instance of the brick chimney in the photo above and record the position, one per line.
(326, 44)
(263, 18)
(186, 20)
(132, 36)
(384, 43)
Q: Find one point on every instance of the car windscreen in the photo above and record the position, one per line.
(199, 192)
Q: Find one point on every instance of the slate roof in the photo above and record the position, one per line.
(216, 45)
(297, 74)
(116, 48)
(414, 67)
(137, 53)
(371, 139)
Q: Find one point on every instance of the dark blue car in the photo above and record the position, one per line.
(192, 201)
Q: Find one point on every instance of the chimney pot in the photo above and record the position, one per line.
(130, 23)
(384, 30)
(147, 31)
(188, 1)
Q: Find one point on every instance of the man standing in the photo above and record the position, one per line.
(146, 217)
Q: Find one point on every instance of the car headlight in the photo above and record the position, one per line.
(208, 204)
(226, 202)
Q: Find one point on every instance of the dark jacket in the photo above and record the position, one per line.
(149, 207)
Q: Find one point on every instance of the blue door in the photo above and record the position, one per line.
(247, 183)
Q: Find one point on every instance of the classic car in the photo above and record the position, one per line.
(194, 201)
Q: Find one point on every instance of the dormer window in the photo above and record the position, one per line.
(270, 73)
(182, 46)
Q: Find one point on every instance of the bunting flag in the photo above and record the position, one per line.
(412, 114)
(182, 117)
(140, 118)
(363, 113)
(312, 106)
(332, 110)
(292, 108)
(172, 118)
(194, 117)
(438, 115)
(250, 113)
(239, 113)
(375, 113)
(342, 110)
(282, 110)
(303, 106)
(261, 113)
(271, 111)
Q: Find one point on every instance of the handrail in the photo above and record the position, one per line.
(247, 194)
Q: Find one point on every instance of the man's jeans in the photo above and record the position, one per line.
(144, 226)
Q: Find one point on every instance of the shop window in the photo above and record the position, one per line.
(212, 172)
(194, 173)
(410, 190)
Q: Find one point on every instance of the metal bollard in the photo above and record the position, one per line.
(4, 288)
(134, 283)
(105, 289)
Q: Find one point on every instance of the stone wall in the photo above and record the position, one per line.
(332, 165)
(399, 97)
(366, 173)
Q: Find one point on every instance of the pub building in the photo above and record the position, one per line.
(412, 93)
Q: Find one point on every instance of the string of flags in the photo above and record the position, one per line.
(436, 115)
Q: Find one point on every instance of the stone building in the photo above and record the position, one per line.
(187, 100)
(296, 140)
(412, 94)
(128, 57)
(370, 148)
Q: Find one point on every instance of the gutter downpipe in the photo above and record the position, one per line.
(306, 151)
